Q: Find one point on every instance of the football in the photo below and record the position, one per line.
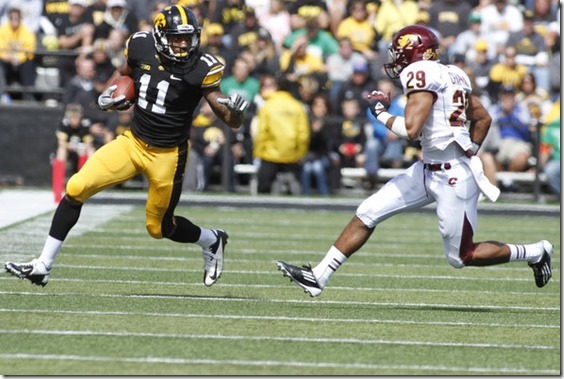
(125, 86)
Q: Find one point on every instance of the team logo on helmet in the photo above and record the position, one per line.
(429, 54)
(406, 41)
(160, 21)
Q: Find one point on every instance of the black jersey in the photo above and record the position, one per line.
(74, 135)
(167, 94)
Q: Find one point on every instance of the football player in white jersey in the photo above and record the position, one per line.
(451, 124)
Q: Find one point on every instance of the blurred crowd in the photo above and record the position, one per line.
(322, 56)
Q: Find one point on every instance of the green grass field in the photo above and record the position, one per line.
(121, 303)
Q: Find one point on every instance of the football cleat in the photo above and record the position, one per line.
(213, 258)
(543, 269)
(34, 271)
(303, 277)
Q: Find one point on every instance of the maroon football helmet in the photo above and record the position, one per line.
(411, 44)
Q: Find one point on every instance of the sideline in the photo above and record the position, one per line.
(21, 204)
(17, 205)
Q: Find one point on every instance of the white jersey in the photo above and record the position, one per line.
(447, 121)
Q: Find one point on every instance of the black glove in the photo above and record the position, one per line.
(378, 102)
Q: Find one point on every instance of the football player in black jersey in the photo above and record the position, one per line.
(171, 76)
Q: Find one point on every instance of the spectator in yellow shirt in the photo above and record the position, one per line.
(17, 47)
(392, 16)
(507, 73)
(358, 30)
(298, 62)
(282, 138)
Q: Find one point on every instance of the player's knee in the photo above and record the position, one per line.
(154, 230)
(75, 187)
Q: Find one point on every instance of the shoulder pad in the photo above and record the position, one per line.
(215, 71)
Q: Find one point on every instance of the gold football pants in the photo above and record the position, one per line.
(124, 158)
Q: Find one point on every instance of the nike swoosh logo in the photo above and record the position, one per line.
(214, 276)
(175, 77)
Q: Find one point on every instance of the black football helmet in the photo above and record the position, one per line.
(176, 20)
(411, 44)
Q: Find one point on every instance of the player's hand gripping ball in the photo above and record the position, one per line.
(119, 95)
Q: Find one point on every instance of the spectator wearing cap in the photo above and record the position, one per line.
(499, 19)
(481, 64)
(53, 15)
(449, 18)
(358, 29)
(229, 14)
(320, 42)
(276, 20)
(515, 127)
(301, 11)
(508, 72)
(465, 42)
(267, 59)
(531, 50)
(117, 16)
(358, 87)
(246, 34)
(214, 45)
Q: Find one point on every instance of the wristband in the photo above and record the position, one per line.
(383, 117)
(398, 127)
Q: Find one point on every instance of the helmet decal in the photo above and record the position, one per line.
(406, 41)
(429, 54)
(160, 21)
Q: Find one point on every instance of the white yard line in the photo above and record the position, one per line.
(274, 286)
(262, 363)
(274, 318)
(290, 301)
(272, 338)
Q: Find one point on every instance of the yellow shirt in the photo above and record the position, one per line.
(361, 33)
(308, 64)
(21, 42)
(391, 18)
(283, 129)
(504, 74)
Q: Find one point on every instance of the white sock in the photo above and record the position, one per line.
(531, 253)
(50, 251)
(207, 238)
(332, 261)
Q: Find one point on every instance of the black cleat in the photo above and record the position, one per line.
(303, 277)
(543, 269)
